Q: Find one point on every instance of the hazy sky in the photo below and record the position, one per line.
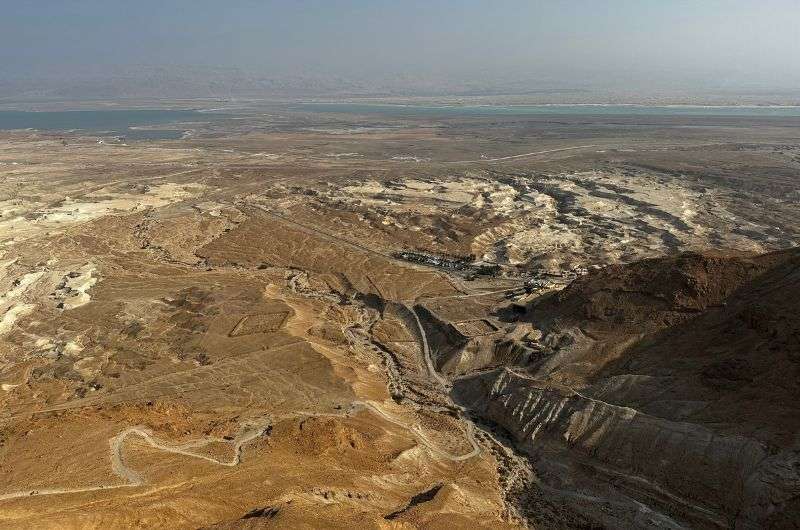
(738, 40)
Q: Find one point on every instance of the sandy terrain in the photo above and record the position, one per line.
(297, 320)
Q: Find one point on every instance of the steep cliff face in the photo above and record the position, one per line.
(678, 383)
(708, 478)
(480, 346)
(597, 317)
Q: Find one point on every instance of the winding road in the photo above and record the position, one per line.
(134, 479)
(426, 353)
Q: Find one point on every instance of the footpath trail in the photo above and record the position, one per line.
(426, 353)
(249, 433)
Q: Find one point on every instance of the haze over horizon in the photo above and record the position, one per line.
(410, 47)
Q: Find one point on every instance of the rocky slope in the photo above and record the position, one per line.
(668, 384)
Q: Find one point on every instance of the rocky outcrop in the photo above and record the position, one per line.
(444, 340)
(721, 480)
(673, 380)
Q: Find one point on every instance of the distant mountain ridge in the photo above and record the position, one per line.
(178, 82)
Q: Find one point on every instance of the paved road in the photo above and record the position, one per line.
(332, 237)
(472, 295)
(523, 155)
